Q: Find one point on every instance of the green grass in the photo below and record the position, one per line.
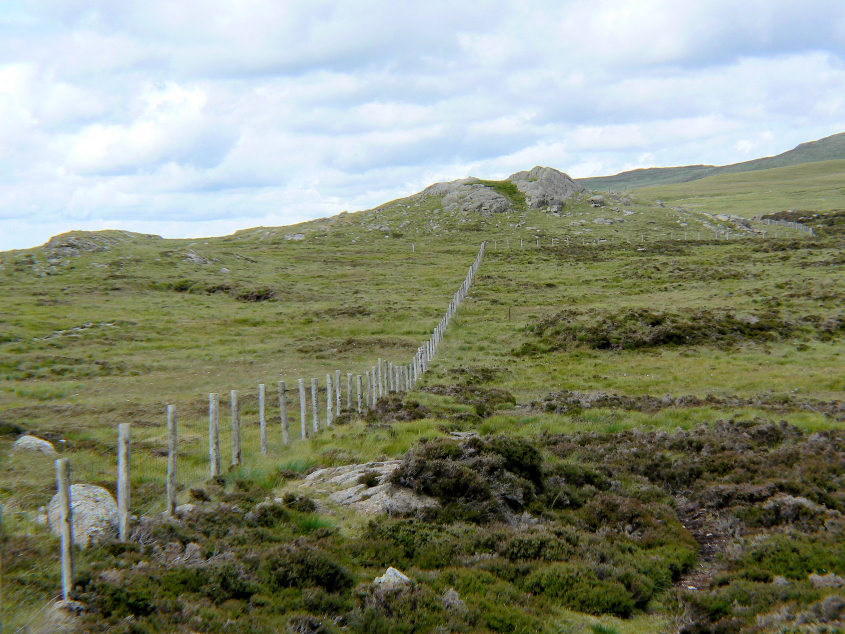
(810, 186)
(164, 330)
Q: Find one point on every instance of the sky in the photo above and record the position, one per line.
(197, 118)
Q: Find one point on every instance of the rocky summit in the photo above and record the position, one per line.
(539, 188)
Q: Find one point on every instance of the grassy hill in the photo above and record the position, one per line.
(816, 186)
(652, 406)
(826, 149)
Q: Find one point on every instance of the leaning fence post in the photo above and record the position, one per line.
(236, 428)
(314, 404)
(283, 413)
(214, 433)
(262, 423)
(302, 416)
(171, 459)
(123, 481)
(66, 514)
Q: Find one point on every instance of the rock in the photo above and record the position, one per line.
(195, 258)
(829, 580)
(596, 201)
(545, 187)
(34, 443)
(780, 581)
(60, 616)
(348, 486)
(453, 602)
(392, 576)
(94, 514)
(477, 198)
(295, 236)
(223, 269)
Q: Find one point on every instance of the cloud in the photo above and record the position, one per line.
(201, 117)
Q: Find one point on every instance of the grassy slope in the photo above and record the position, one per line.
(811, 186)
(827, 149)
(353, 291)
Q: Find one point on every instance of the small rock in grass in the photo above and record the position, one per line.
(34, 443)
(392, 575)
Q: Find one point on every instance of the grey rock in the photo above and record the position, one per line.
(596, 201)
(452, 601)
(545, 187)
(344, 486)
(392, 576)
(781, 581)
(94, 514)
(34, 443)
(829, 580)
(295, 236)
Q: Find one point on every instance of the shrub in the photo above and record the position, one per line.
(302, 567)
(579, 589)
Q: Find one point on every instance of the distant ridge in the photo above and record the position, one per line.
(826, 149)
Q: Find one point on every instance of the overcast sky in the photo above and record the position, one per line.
(190, 118)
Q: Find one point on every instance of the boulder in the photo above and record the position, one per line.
(392, 576)
(94, 514)
(452, 601)
(545, 187)
(34, 443)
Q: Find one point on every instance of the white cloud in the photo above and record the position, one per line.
(209, 116)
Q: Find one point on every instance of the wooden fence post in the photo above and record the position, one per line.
(66, 514)
(329, 399)
(262, 423)
(302, 416)
(214, 433)
(314, 405)
(123, 481)
(283, 413)
(358, 390)
(349, 391)
(236, 428)
(337, 392)
(171, 459)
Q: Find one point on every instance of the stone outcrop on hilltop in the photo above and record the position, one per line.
(545, 187)
(542, 187)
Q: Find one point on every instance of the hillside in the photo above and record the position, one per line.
(633, 423)
(810, 186)
(826, 149)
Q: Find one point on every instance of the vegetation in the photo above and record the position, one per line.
(624, 430)
(828, 149)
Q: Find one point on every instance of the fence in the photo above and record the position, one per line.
(186, 424)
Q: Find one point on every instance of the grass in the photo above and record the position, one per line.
(166, 330)
(809, 186)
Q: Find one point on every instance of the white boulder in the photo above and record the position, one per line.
(392, 576)
(94, 514)
(34, 443)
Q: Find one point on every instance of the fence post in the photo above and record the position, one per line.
(302, 416)
(236, 428)
(358, 391)
(214, 433)
(171, 459)
(329, 399)
(262, 423)
(123, 481)
(283, 413)
(314, 405)
(337, 392)
(66, 514)
(379, 383)
(349, 391)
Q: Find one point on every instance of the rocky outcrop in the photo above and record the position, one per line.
(34, 443)
(94, 514)
(366, 489)
(545, 187)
